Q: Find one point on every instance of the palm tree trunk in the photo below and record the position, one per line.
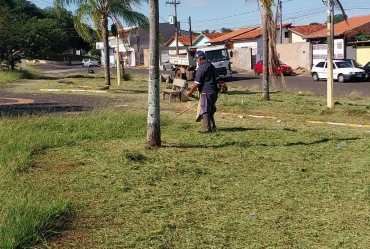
(154, 129)
(265, 76)
(104, 25)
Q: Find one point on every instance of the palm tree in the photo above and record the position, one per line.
(98, 12)
(270, 56)
(154, 131)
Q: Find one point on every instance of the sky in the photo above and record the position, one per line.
(213, 15)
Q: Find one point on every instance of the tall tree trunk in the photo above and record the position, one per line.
(104, 25)
(265, 76)
(154, 129)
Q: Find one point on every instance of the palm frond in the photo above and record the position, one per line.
(81, 18)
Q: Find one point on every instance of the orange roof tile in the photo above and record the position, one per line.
(305, 30)
(254, 33)
(343, 27)
(249, 35)
(184, 39)
(232, 34)
(213, 35)
(284, 25)
(169, 41)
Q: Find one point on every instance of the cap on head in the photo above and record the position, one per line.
(199, 54)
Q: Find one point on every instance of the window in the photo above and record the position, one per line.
(286, 34)
(320, 64)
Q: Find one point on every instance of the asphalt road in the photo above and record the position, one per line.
(39, 103)
(247, 80)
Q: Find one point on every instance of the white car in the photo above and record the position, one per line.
(168, 65)
(342, 71)
(90, 63)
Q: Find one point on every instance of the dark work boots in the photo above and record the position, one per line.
(213, 123)
(206, 123)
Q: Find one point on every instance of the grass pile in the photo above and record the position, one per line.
(267, 178)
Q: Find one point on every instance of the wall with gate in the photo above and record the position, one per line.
(241, 59)
(295, 54)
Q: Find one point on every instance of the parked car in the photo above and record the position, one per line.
(90, 63)
(168, 65)
(367, 71)
(342, 71)
(282, 67)
(353, 62)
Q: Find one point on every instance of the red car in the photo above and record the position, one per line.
(284, 68)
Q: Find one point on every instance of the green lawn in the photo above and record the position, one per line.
(277, 174)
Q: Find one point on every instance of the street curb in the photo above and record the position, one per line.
(317, 122)
(73, 90)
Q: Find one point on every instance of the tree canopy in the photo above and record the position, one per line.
(32, 33)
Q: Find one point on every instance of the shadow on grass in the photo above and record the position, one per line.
(324, 140)
(234, 92)
(39, 109)
(244, 144)
(237, 129)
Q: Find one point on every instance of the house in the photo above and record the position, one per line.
(204, 38)
(297, 33)
(183, 40)
(246, 45)
(127, 48)
(225, 39)
(344, 32)
(135, 42)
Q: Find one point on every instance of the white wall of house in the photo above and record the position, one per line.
(285, 35)
(127, 53)
(296, 38)
(339, 48)
(253, 44)
(173, 44)
(320, 51)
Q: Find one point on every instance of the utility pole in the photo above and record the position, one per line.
(119, 79)
(280, 4)
(175, 3)
(191, 40)
(329, 61)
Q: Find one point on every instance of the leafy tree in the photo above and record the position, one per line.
(339, 18)
(11, 36)
(98, 11)
(65, 19)
(205, 31)
(26, 33)
(361, 37)
(315, 23)
(44, 39)
(226, 30)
